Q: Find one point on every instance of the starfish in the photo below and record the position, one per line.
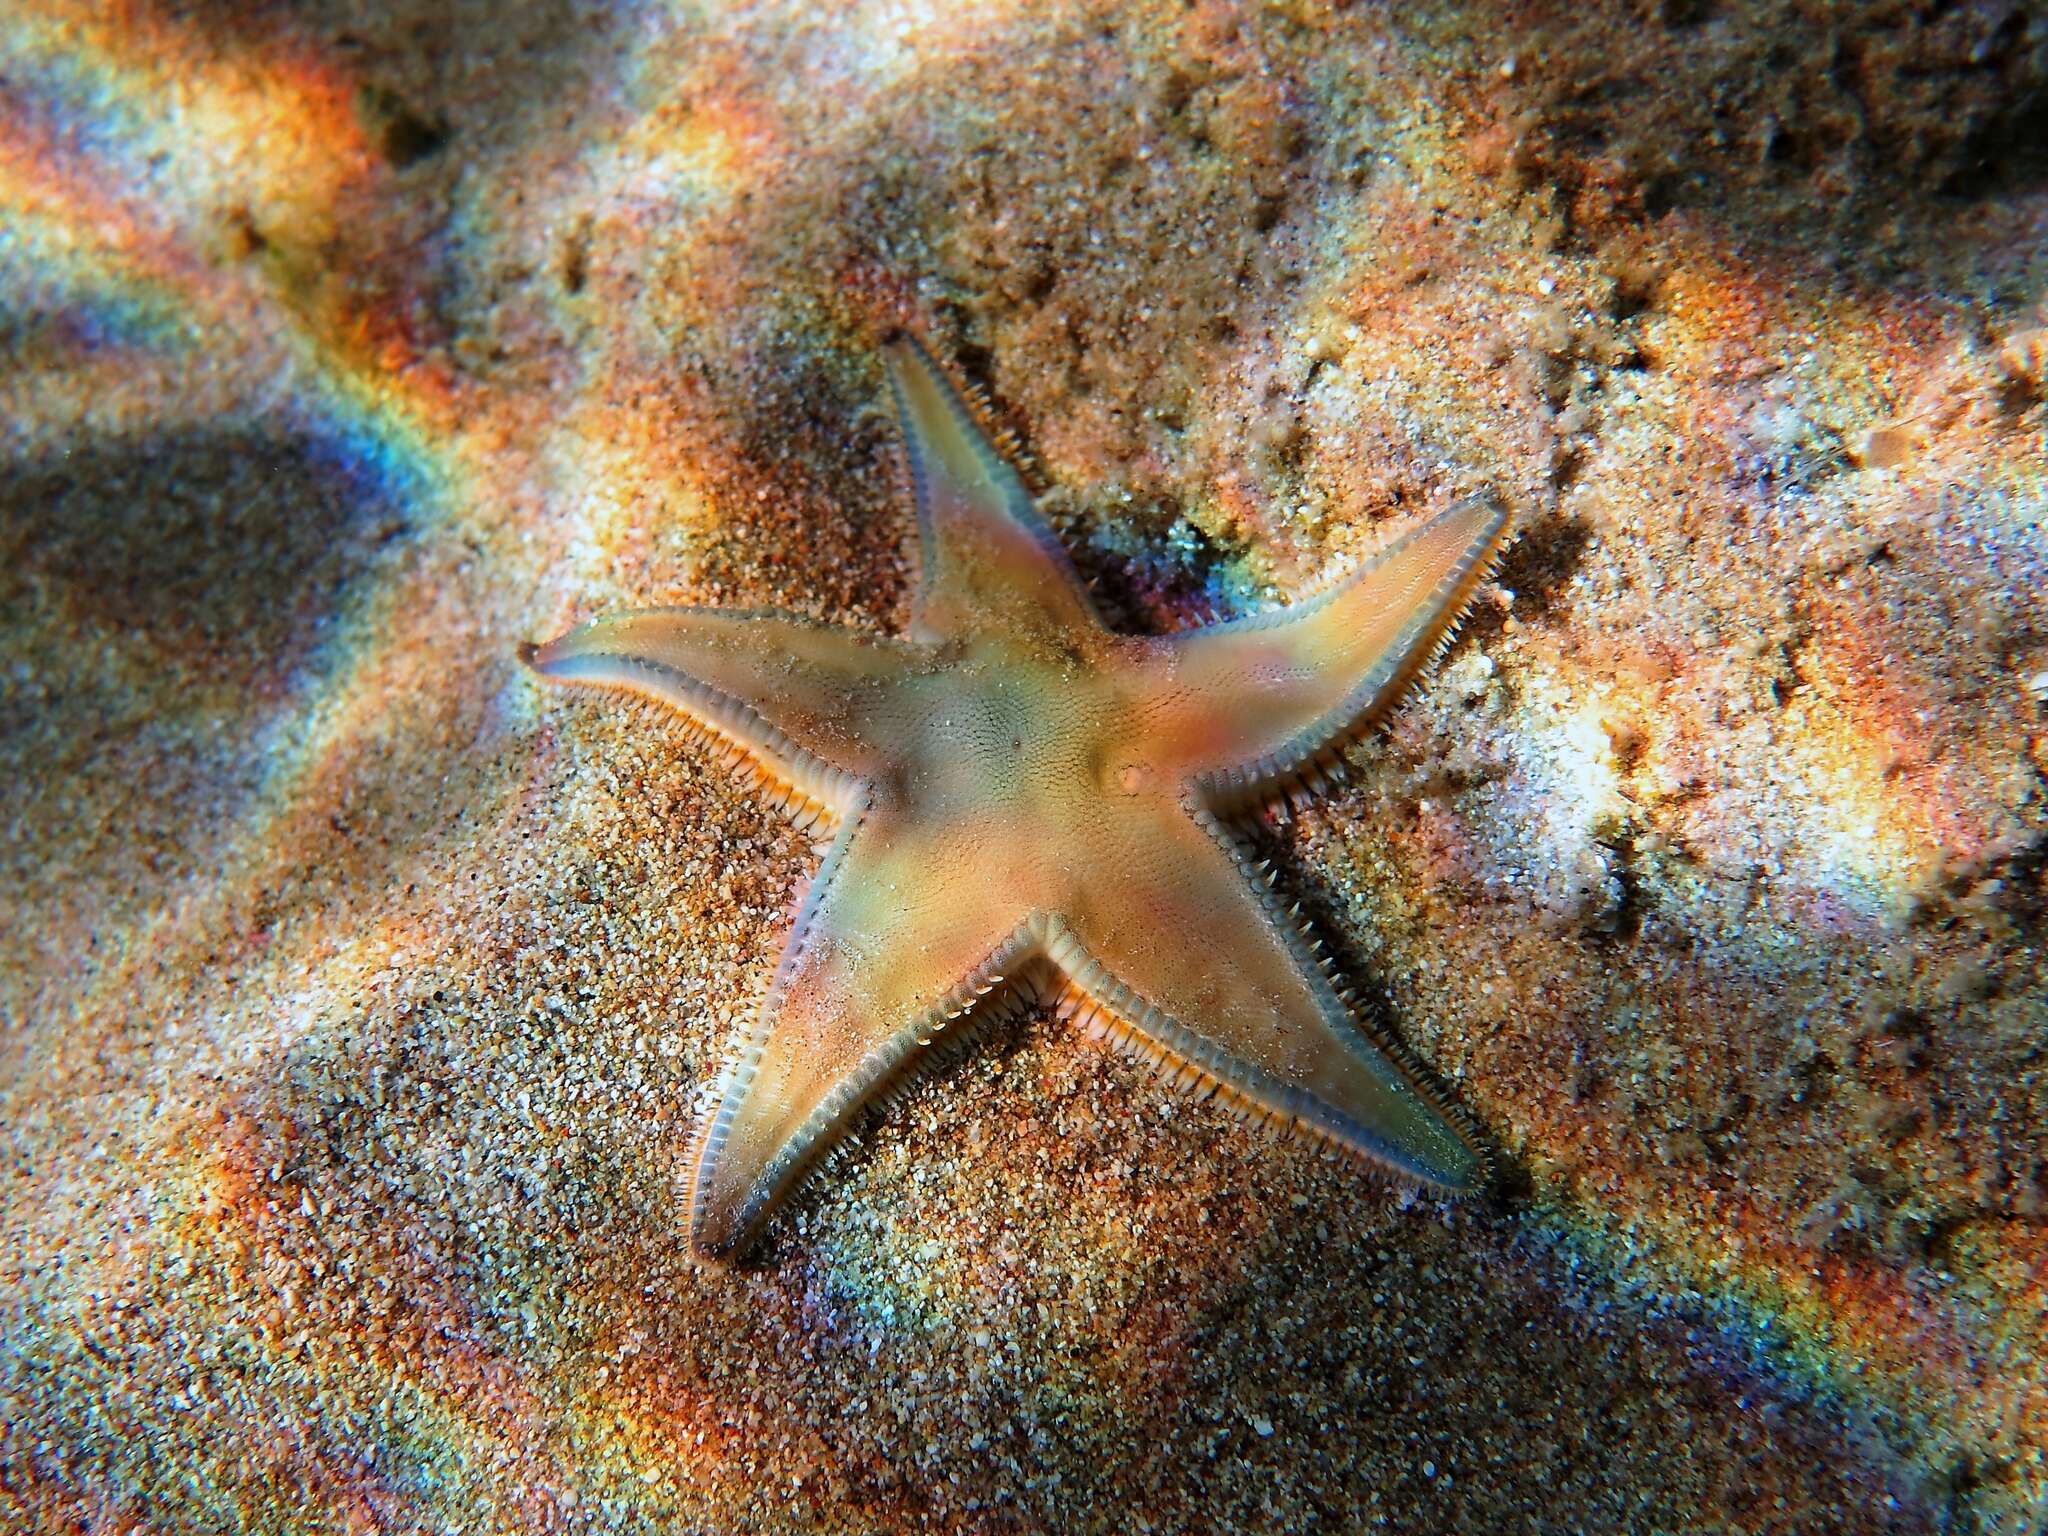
(1026, 803)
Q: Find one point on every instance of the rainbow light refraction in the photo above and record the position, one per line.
(364, 1002)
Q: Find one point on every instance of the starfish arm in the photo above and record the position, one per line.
(876, 968)
(780, 693)
(988, 559)
(1259, 703)
(1190, 957)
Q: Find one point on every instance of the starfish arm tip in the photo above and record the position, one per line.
(554, 659)
(708, 1257)
(715, 1244)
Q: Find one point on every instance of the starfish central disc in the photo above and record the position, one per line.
(1027, 800)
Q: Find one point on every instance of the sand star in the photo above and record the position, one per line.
(1029, 804)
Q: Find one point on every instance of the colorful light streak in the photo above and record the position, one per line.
(1945, 1365)
(113, 202)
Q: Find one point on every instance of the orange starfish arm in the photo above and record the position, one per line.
(988, 559)
(874, 971)
(783, 694)
(1263, 702)
(1178, 947)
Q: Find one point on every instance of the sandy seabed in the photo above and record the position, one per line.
(356, 995)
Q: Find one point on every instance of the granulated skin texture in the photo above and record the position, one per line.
(359, 997)
(1027, 808)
